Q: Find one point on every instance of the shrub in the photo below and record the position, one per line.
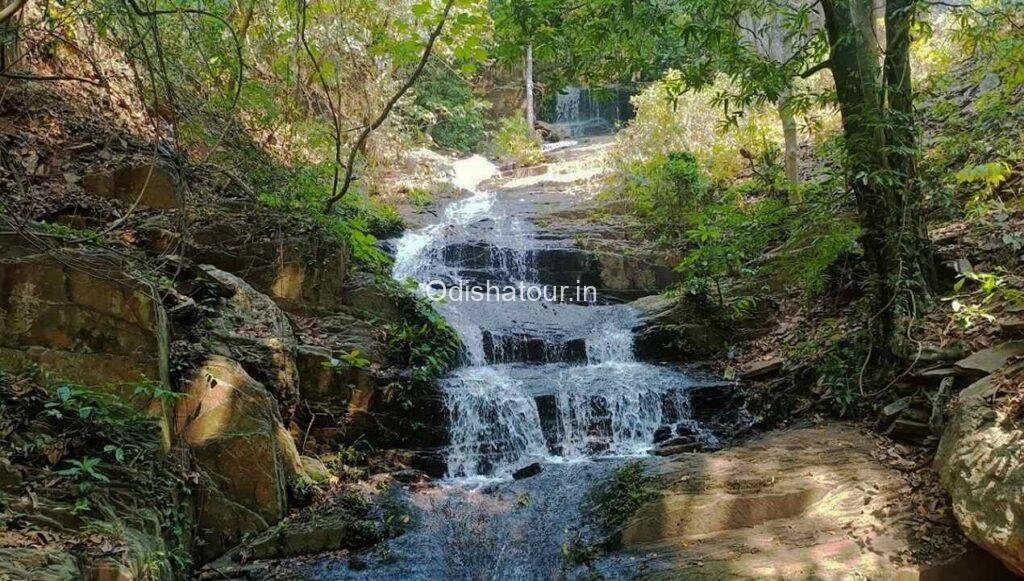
(517, 142)
(446, 109)
(669, 119)
(664, 190)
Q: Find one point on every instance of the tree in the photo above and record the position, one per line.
(876, 102)
(703, 38)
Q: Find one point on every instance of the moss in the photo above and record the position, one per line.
(612, 502)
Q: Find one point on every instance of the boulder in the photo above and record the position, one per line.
(247, 459)
(981, 363)
(980, 461)
(248, 327)
(151, 184)
(527, 471)
(677, 328)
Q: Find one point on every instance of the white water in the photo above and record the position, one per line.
(608, 404)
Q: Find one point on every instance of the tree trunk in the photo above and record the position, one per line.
(881, 182)
(531, 117)
(790, 139)
(902, 137)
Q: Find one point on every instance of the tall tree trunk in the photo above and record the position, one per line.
(531, 117)
(902, 137)
(881, 182)
(789, 138)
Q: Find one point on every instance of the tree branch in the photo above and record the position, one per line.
(349, 167)
(11, 9)
(816, 68)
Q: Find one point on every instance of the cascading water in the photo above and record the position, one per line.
(553, 382)
(579, 111)
(543, 380)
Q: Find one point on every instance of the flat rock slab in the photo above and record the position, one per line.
(795, 504)
(762, 368)
(986, 361)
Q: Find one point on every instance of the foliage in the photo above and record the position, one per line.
(670, 118)
(836, 358)
(619, 497)
(447, 110)
(357, 221)
(420, 342)
(724, 238)
(988, 176)
(664, 189)
(516, 142)
(970, 306)
(94, 452)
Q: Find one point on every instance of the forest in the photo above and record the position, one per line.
(769, 309)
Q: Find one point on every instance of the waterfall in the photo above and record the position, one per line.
(579, 111)
(541, 380)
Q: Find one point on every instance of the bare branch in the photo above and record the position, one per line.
(350, 166)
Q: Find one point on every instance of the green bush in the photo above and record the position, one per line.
(664, 190)
(517, 142)
(446, 109)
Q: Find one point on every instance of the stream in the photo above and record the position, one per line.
(551, 381)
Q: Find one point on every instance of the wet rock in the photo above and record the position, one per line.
(523, 347)
(151, 184)
(411, 476)
(429, 461)
(662, 433)
(986, 361)
(233, 427)
(980, 461)
(677, 328)
(527, 471)
(684, 446)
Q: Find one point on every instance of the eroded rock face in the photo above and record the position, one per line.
(83, 317)
(80, 315)
(677, 328)
(981, 465)
(251, 329)
(247, 459)
(302, 271)
(152, 185)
